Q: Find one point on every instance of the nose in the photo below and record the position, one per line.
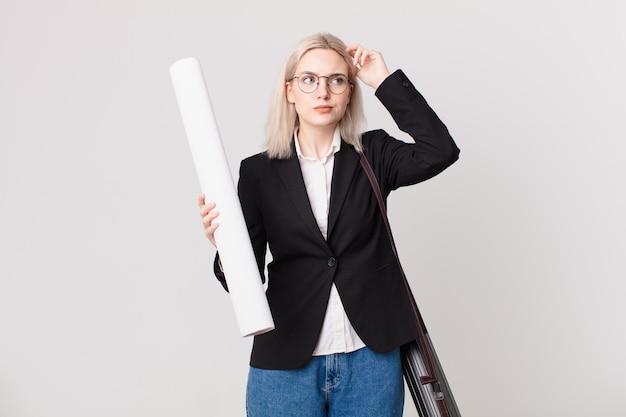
(322, 87)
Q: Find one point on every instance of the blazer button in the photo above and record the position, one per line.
(332, 261)
(405, 84)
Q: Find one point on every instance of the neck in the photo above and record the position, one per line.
(315, 142)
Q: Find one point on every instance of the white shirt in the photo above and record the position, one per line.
(337, 335)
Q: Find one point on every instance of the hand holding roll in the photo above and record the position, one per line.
(209, 213)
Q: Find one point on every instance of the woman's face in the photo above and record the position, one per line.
(321, 108)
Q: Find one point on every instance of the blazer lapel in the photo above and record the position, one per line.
(291, 176)
(346, 166)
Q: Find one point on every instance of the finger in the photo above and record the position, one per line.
(212, 215)
(355, 52)
(209, 216)
(206, 208)
(210, 232)
(211, 228)
(351, 49)
(358, 57)
(365, 54)
(208, 221)
(201, 198)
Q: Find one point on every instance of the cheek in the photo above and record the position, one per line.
(344, 105)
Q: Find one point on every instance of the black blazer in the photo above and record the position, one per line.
(357, 255)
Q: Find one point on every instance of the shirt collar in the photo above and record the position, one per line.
(334, 147)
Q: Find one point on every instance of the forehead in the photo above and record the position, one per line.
(322, 61)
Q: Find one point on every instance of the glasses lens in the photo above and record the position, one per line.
(308, 82)
(337, 84)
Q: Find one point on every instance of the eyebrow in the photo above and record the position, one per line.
(329, 75)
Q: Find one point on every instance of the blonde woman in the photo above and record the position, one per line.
(334, 287)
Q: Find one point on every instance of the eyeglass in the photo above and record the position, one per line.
(336, 83)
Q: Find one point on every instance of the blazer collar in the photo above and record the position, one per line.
(346, 165)
(291, 177)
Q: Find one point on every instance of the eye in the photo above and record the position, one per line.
(338, 80)
(308, 79)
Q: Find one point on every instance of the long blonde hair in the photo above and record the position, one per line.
(282, 119)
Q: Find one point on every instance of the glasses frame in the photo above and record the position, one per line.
(317, 84)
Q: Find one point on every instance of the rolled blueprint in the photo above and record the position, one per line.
(216, 182)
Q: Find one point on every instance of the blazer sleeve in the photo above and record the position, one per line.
(248, 188)
(398, 163)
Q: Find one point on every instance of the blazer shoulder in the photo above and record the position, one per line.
(373, 139)
(372, 135)
(253, 162)
(256, 158)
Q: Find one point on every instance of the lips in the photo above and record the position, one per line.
(323, 109)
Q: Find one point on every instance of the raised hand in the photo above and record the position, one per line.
(371, 67)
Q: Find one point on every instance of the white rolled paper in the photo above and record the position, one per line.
(216, 182)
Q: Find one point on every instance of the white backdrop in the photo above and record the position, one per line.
(107, 302)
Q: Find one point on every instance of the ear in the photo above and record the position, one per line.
(289, 92)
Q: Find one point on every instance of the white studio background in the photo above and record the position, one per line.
(108, 306)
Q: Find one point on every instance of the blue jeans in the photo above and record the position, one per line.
(357, 384)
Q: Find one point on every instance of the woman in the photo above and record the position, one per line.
(336, 292)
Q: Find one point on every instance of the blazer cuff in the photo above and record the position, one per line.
(396, 81)
(219, 271)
